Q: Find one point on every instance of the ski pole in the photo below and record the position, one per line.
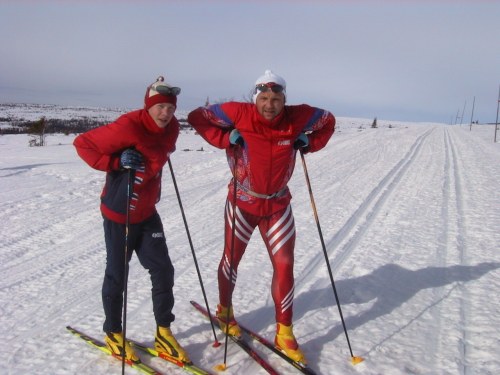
(223, 366)
(354, 360)
(216, 343)
(130, 180)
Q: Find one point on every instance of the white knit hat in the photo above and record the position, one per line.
(269, 77)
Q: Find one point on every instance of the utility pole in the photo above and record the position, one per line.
(496, 122)
(463, 110)
(472, 114)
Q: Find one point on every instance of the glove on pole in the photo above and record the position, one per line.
(235, 138)
(301, 142)
(216, 343)
(354, 360)
(131, 159)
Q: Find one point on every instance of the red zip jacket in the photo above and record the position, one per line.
(267, 160)
(101, 148)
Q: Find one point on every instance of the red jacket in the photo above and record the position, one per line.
(101, 148)
(267, 160)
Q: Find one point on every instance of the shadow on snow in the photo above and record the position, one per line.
(387, 287)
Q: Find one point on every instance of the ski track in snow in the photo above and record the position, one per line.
(361, 220)
(461, 244)
(409, 216)
(343, 243)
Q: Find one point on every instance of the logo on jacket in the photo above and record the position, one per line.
(157, 235)
(284, 142)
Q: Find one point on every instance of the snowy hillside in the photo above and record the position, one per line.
(410, 214)
(14, 112)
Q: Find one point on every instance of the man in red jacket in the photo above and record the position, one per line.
(141, 141)
(261, 140)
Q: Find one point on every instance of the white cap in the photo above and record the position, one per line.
(269, 77)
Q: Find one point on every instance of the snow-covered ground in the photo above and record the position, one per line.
(410, 215)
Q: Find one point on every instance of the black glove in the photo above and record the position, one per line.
(131, 159)
(301, 142)
(235, 138)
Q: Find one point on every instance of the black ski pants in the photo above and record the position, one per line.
(148, 241)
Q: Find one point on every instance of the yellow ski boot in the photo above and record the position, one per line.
(286, 342)
(234, 328)
(166, 343)
(114, 341)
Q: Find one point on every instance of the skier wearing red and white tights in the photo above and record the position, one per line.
(261, 140)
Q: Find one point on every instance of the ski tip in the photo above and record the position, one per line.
(356, 360)
(221, 367)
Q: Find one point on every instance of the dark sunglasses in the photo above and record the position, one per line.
(274, 87)
(169, 91)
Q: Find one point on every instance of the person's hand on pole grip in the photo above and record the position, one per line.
(302, 141)
(235, 138)
(131, 159)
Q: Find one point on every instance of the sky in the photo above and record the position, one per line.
(396, 60)
(409, 216)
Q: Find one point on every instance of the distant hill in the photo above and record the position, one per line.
(18, 118)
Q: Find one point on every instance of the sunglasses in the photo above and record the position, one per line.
(166, 90)
(274, 87)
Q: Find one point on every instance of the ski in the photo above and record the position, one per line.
(189, 367)
(239, 341)
(142, 367)
(299, 366)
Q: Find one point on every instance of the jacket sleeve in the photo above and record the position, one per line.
(101, 147)
(212, 124)
(319, 129)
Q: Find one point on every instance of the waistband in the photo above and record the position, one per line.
(278, 194)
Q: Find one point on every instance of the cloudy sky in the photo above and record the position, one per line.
(409, 60)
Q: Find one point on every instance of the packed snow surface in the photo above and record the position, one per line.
(410, 217)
